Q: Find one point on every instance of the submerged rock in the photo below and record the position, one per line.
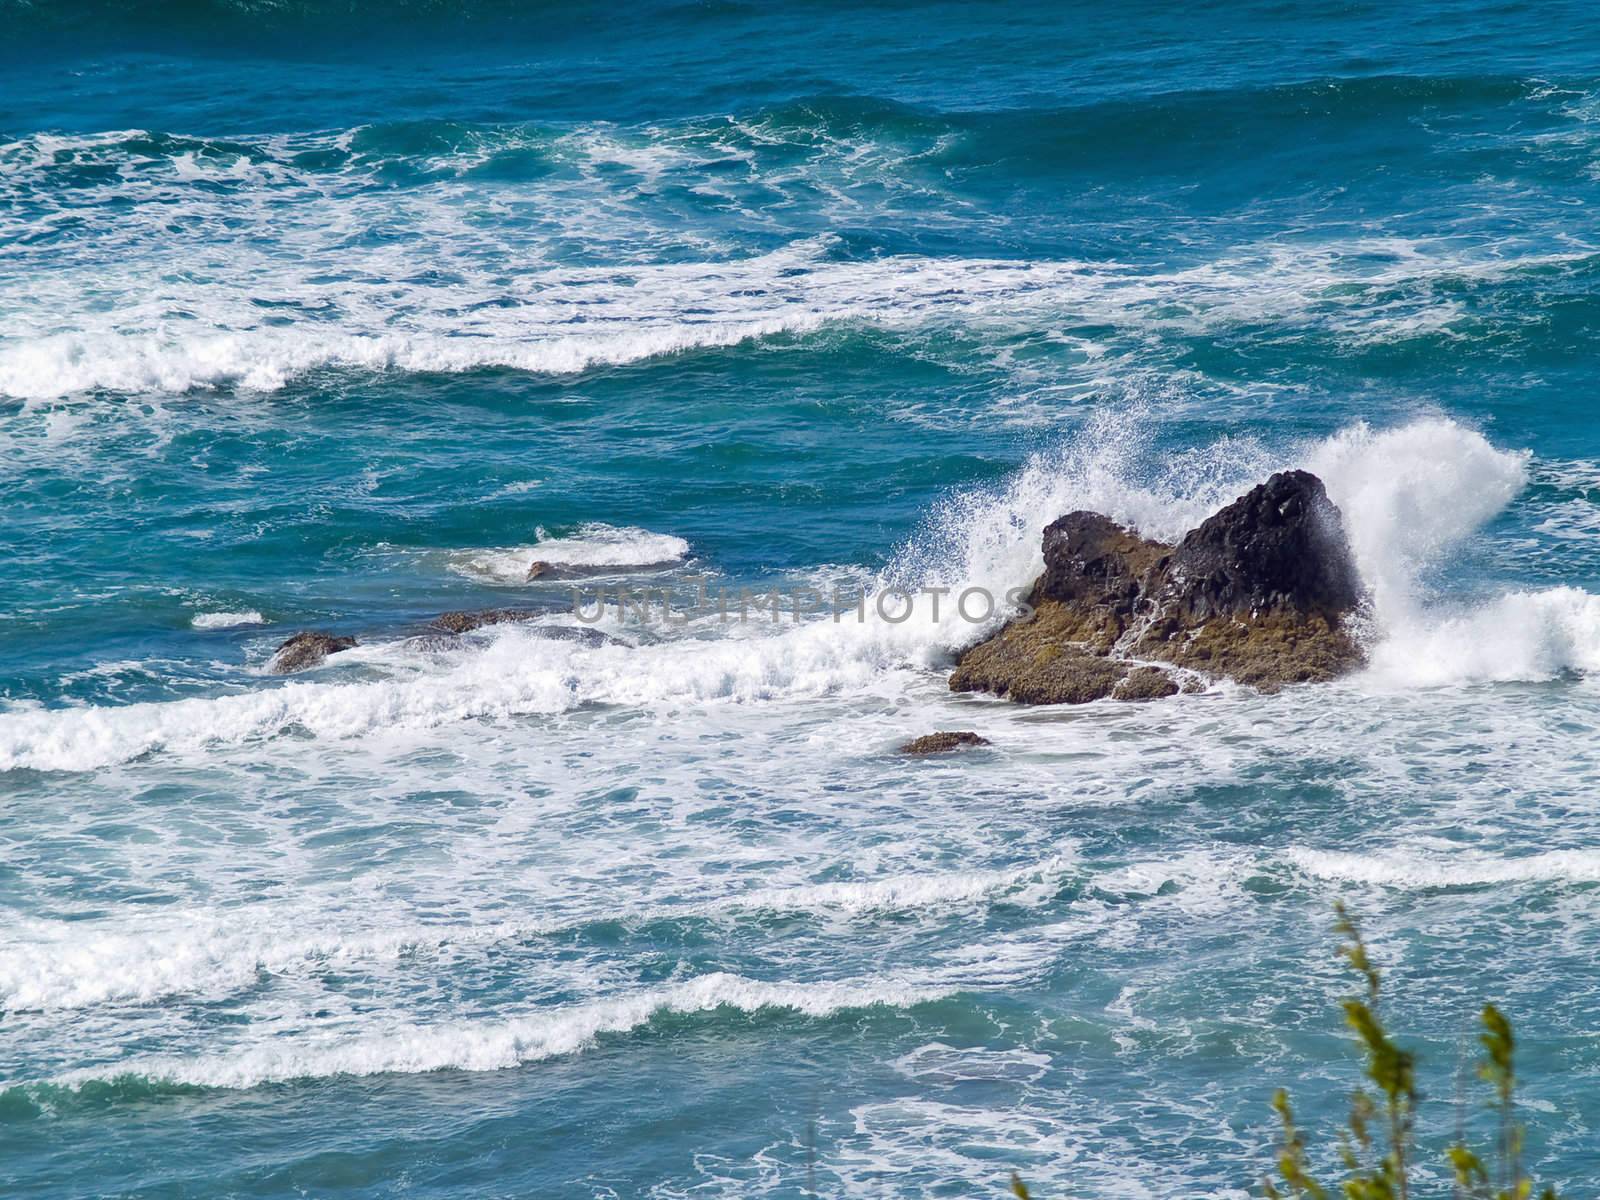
(466, 622)
(1260, 592)
(578, 633)
(306, 650)
(943, 742)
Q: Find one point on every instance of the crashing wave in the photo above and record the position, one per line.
(1409, 495)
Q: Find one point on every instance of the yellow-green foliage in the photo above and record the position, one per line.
(1377, 1145)
(1378, 1141)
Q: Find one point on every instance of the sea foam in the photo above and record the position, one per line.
(491, 1044)
(592, 548)
(226, 620)
(1410, 496)
(1412, 869)
(57, 965)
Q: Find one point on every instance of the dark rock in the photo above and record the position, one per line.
(943, 742)
(306, 650)
(1280, 547)
(1091, 561)
(537, 569)
(1260, 592)
(581, 634)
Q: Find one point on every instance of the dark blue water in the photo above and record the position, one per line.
(337, 317)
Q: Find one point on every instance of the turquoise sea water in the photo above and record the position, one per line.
(337, 317)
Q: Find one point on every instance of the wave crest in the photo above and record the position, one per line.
(1460, 869)
(490, 1045)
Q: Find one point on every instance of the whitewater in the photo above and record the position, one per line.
(1409, 496)
(315, 319)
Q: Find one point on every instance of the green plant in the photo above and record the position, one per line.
(1377, 1145)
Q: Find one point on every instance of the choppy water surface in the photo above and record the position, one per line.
(338, 320)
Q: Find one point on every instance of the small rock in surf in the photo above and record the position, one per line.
(305, 650)
(943, 742)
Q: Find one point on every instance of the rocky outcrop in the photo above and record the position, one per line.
(305, 650)
(1261, 592)
(1097, 567)
(943, 742)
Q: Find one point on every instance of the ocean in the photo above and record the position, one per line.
(337, 316)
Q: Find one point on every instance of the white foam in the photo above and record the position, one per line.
(1409, 869)
(264, 360)
(556, 320)
(591, 548)
(81, 964)
(489, 1045)
(1027, 885)
(1519, 636)
(525, 674)
(334, 297)
(226, 620)
(943, 1065)
(51, 965)
(1409, 494)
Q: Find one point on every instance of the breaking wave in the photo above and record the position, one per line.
(338, 297)
(1406, 869)
(589, 548)
(226, 620)
(1410, 496)
(491, 1045)
(57, 965)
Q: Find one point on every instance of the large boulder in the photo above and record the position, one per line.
(1261, 592)
(1278, 548)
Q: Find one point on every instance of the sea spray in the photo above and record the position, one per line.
(1411, 495)
(1408, 495)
